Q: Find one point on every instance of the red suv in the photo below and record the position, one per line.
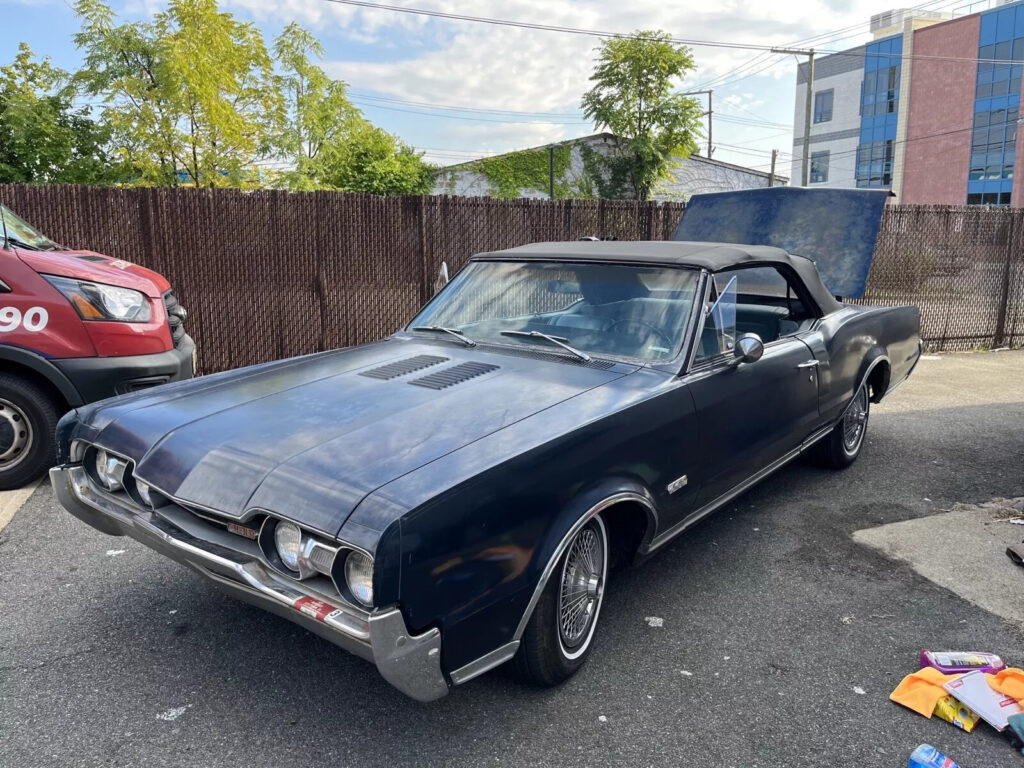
(75, 326)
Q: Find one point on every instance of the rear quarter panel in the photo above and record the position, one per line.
(855, 337)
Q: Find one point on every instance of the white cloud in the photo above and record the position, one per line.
(507, 68)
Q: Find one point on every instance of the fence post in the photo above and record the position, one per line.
(1004, 294)
(426, 287)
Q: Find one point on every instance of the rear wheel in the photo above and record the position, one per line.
(28, 420)
(558, 638)
(841, 447)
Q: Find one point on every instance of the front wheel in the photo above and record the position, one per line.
(28, 420)
(841, 447)
(558, 638)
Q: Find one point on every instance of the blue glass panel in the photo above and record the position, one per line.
(988, 28)
(1004, 24)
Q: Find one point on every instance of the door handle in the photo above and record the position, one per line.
(810, 364)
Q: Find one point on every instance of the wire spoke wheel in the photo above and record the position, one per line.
(855, 421)
(581, 589)
(15, 434)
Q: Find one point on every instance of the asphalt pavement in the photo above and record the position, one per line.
(781, 637)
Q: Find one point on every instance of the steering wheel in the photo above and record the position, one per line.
(662, 336)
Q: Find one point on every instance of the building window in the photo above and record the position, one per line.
(819, 167)
(988, 198)
(874, 164)
(880, 91)
(823, 105)
(996, 107)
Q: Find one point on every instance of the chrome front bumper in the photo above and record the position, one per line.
(411, 663)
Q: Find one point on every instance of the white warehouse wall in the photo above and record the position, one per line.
(841, 135)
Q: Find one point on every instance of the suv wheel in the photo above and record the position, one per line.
(558, 638)
(28, 420)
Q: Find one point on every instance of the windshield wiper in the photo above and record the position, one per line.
(11, 239)
(559, 340)
(453, 331)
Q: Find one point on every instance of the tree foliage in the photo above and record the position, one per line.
(44, 138)
(327, 141)
(189, 95)
(194, 97)
(632, 97)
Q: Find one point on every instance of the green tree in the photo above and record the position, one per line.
(44, 139)
(190, 96)
(632, 97)
(326, 140)
(372, 160)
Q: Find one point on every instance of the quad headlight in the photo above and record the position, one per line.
(110, 470)
(288, 540)
(304, 556)
(359, 577)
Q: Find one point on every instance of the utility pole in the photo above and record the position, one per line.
(809, 108)
(771, 175)
(708, 113)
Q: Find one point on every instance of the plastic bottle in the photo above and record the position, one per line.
(959, 662)
(927, 756)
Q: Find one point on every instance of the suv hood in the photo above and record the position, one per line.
(309, 438)
(89, 265)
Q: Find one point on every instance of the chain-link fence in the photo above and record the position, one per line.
(268, 274)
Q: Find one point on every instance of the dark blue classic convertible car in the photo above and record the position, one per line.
(454, 496)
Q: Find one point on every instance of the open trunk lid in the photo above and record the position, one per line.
(835, 228)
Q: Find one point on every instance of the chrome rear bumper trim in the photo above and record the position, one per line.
(411, 663)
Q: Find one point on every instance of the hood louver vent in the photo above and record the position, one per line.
(403, 367)
(454, 375)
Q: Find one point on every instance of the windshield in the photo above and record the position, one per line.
(23, 233)
(602, 309)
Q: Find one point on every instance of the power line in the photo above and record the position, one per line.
(623, 35)
(455, 108)
(467, 117)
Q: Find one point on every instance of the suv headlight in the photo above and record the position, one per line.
(98, 301)
(359, 577)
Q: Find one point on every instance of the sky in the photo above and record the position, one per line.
(459, 90)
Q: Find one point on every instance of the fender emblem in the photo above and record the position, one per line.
(676, 484)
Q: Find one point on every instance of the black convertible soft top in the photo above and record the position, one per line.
(713, 257)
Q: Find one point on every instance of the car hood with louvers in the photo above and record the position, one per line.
(311, 437)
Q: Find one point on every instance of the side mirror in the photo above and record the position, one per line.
(749, 348)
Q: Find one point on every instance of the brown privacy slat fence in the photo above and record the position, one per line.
(269, 274)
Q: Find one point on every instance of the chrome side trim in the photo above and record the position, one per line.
(602, 505)
(485, 663)
(695, 517)
(867, 374)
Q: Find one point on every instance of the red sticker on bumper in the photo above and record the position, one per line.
(310, 606)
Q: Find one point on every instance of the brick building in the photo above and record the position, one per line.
(930, 109)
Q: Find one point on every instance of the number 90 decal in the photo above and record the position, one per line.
(34, 319)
